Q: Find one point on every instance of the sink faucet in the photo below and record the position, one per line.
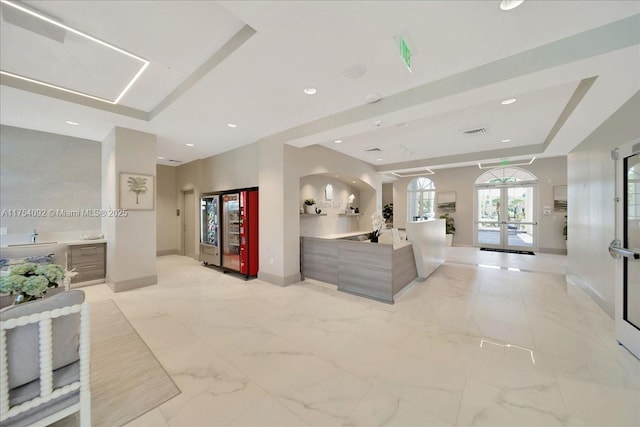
(34, 236)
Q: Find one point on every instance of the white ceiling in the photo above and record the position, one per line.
(208, 69)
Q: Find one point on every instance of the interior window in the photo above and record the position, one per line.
(421, 199)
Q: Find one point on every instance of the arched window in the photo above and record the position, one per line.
(505, 176)
(421, 199)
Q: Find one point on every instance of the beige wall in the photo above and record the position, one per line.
(550, 172)
(335, 222)
(227, 171)
(131, 240)
(591, 208)
(44, 171)
(167, 222)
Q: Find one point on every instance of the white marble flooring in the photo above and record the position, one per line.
(469, 346)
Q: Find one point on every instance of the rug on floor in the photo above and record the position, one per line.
(127, 380)
(509, 251)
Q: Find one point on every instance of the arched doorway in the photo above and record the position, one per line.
(505, 210)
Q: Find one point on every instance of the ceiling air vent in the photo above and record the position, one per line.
(372, 150)
(174, 161)
(475, 132)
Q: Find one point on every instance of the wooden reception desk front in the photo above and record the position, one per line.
(374, 270)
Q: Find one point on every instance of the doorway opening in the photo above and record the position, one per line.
(505, 210)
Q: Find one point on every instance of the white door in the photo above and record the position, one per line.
(626, 247)
(189, 224)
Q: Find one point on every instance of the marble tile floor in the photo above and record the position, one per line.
(469, 346)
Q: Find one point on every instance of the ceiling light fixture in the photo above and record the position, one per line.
(379, 159)
(310, 90)
(190, 145)
(421, 172)
(353, 182)
(232, 125)
(510, 4)
(160, 158)
(505, 163)
(72, 123)
(506, 140)
(33, 13)
(508, 101)
(338, 141)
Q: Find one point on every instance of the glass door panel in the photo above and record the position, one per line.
(519, 218)
(631, 240)
(626, 247)
(489, 233)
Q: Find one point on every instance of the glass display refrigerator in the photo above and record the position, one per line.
(231, 231)
(210, 230)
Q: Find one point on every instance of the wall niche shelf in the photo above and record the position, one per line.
(306, 214)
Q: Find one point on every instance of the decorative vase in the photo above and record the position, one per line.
(374, 238)
(310, 209)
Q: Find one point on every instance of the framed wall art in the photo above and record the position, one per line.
(137, 191)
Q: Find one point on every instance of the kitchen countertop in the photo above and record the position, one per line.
(74, 242)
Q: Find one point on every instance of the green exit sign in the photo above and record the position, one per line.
(504, 163)
(405, 53)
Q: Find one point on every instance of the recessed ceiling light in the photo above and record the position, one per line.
(379, 159)
(160, 158)
(310, 90)
(190, 145)
(337, 141)
(144, 62)
(506, 140)
(353, 182)
(337, 176)
(72, 123)
(232, 125)
(510, 4)
(508, 101)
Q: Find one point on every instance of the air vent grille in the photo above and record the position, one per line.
(174, 161)
(372, 150)
(475, 132)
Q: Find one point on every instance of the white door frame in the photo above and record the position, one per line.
(626, 333)
(503, 224)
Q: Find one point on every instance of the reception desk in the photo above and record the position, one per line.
(373, 270)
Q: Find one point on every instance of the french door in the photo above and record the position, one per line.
(626, 248)
(505, 216)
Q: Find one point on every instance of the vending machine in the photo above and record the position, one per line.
(231, 231)
(210, 230)
(240, 232)
(249, 233)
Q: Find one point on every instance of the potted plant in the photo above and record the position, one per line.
(387, 212)
(309, 206)
(450, 228)
(29, 281)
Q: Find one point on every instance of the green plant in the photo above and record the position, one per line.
(449, 223)
(309, 202)
(32, 279)
(387, 211)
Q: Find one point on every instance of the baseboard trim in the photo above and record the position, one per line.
(167, 252)
(595, 296)
(127, 285)
(555, 251)
(279, 280)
